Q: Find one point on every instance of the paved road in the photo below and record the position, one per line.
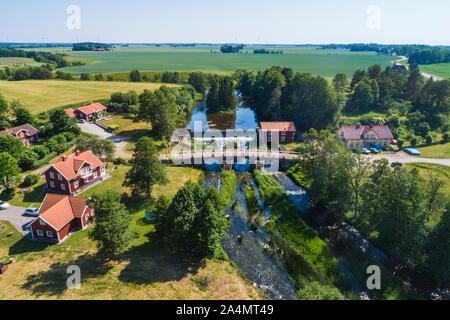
(426, 75)
(18, 219)
(405, 158)
(119, 141)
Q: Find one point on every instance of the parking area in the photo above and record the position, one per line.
(17, 217)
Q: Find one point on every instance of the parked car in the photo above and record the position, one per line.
(396, 163)
(4, 205)
(376, 146)
(32, 210)
(393, 141)
(412, 151)
(375, 150)
(365, 151)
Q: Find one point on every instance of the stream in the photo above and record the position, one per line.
(265, 270)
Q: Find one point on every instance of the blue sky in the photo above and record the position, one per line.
(213, 21)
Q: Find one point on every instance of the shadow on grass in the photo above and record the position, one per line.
(147, 263)
(25, 245)
(154, 262)
(53, 281)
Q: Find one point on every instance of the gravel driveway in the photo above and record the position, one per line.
(405, 158)
(119, 141)
(18, 218)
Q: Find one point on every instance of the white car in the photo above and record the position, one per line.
(32, 210)
(4, 205)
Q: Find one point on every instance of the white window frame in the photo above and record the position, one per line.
(49, 234)
(63, 186)
(86, 180)
(59, 177)
(42, 223)
(283, 139)
(52, 175)
(76, 184)
(52, 185)
(95, 174)
(40, 233)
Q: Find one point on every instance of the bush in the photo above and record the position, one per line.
(7, 194)
(445, 137)
(318, 291)
(27, 159)
(120, 161)
(44, 160)
(41, 151)
(413, 141)
(30, 180)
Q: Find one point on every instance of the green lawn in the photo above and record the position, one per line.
(42, 95)
(323, 62)
(177, 177)
(436, 151)
(441, 70)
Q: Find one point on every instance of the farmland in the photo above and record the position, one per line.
(42, 95)
(439, 69)
(303, 59)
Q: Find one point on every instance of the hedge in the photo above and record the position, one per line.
(44, 160)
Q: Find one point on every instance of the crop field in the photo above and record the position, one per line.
(208, 58)
(439, 69)
(42, 95)
(13, 62)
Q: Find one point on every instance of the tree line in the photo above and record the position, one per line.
(278, 94)
(400, 212)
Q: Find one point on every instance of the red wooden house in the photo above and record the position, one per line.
(90, 111)
(59, 216)
(25, 132)
(286, 130)
(70, 175)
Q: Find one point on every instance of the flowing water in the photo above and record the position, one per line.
(248, 248)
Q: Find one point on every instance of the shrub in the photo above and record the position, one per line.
(7, 194)
(27, 159)
(413, 141)
(30, 180)
(428, 139)
(44, 160)
(446, 137)
(41, 151)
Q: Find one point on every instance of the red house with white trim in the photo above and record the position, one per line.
(59, 216)
(286, 130)
(71, 175)
(25, 132)
(90, 111)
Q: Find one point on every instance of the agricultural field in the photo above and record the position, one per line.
(13, 62)
(208, 58)
(441, 70)
(42, 95)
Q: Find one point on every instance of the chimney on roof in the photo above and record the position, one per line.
(64, 158)
(77, 152)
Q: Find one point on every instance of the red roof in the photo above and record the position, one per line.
(92, 108)
(281, 126)
(28, 128)
(58, 210)
(69, 167)
(358, 132)
(69, 112)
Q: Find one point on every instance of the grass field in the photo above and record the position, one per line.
(323, 62)
(4, 62)
(441, 70)
(145, 271)
(436, 151)
(426, 169)
(42, 95)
